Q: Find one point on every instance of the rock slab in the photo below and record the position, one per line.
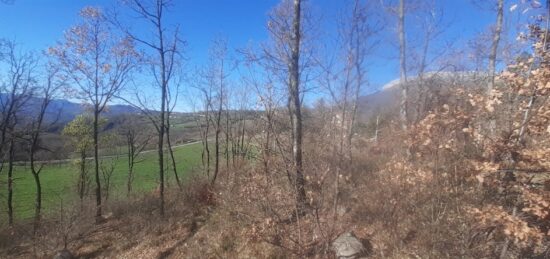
(347, 246)
(63, 254)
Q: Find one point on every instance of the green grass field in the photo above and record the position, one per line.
(59, 181)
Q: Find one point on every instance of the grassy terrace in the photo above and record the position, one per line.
(59, 181)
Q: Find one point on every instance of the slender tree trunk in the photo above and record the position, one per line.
(243, 134)
(493, 57)
(10, 182)
(130, 180)
(131, 152)
(340, 148)
(356, 41)
(422, 91)
(402, 66)
(205, 152)
(267, 143)
(296, 107)
(34, 146)
(36, 176)
(217, 142)
(217, 147)
(206, 146)
(96, 164)
(164, 94)
(7, 115)
(218, 125)
(353, 115)
(38, 201)
(82, 181)
(494, 46)
(171, 151)
(161, 153)
(6, 121)
(227, 136)
(106, 187)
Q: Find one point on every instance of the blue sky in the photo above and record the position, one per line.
(37, 24)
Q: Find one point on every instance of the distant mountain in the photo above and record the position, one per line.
(382, 101)
(64, 111)
(387, 99)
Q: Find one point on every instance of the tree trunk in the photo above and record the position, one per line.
(36, 176)
(422, 91)
(168, 141)
(96, 164)
(402, 66)
(82, 182)
(38, 201)
(10, 182)
(217, 148)
(131, 152)
(242, 149)
(493, 57)
(296, 108)
(354, 106)
(227, 136)
(494, 46)
(164, 93)
(161, 153)
(130, 180)
(206, 146)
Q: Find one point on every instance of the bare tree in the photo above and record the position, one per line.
(203, 122)
(216, 74)
(426, 56)
(296, 106)
(288, 60)
(18, 88)
(345, 78)
(165, 51)
(107, 170)
(357, 40)
(99, 64)
(52, 85)
(238, 127)
(136, 139)
(217, 123)
(81, 136)
(265, 90)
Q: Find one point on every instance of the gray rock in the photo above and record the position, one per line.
(347, 246)
(341, 210)
(63, 254)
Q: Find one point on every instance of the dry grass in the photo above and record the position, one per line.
(400, 206)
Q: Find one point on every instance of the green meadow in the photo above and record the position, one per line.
(59, 180)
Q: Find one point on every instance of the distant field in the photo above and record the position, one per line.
(59, 181)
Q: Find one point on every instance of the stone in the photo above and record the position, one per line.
(341, 210)
(347, 246)
(63, 254)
